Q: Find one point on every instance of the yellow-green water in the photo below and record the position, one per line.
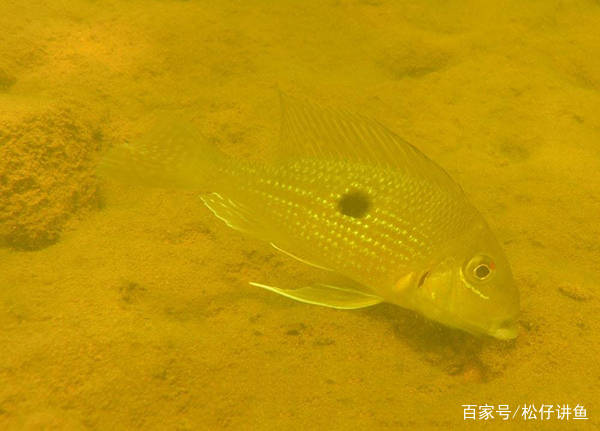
(129, 308)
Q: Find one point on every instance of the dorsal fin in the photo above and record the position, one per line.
(309, 130)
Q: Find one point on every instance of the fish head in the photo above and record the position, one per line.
(472, 289)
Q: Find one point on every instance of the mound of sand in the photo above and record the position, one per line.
(46, 171)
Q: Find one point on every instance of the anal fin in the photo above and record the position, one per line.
(299, 259)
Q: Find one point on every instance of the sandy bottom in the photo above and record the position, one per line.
(140, 315)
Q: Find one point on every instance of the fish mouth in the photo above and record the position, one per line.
(506, 331)
(505, 334)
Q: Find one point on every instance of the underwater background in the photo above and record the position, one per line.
(126, 307)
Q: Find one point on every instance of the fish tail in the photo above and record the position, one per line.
(173, 154)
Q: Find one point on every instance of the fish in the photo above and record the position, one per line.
(346, 195)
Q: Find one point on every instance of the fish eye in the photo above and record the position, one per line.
(479, 268)
(481, 271)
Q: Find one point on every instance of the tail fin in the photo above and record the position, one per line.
(173, 154)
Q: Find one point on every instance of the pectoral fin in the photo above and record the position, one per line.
(327, 296)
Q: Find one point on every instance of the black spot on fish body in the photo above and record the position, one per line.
(354, 204)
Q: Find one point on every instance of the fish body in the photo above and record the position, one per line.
(298, 206)
(349, 196)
